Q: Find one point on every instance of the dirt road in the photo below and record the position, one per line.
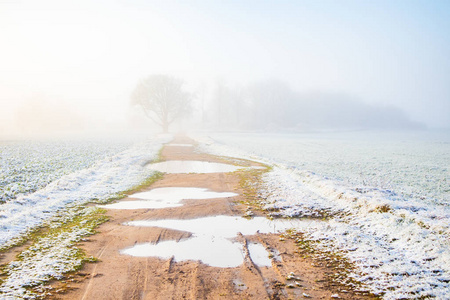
(119, 276)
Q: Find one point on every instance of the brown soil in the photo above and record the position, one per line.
(118, 276)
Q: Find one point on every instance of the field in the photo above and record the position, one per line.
(379, 200)
(28, 166)
(44, 188)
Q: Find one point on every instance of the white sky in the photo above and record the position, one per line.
(91, 54)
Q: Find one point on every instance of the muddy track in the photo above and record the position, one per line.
(119, 276)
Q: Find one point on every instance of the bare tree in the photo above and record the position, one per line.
(162, 99)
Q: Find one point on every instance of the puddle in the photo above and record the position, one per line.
(167, 197)
(192, 166)
(259, 255)
(180, 145)
(216, 252)
(213, 239)
(221, 226)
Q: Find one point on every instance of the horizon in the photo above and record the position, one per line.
(81, 60)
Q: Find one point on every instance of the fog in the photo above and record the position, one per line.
(273, 106)
(71, 66)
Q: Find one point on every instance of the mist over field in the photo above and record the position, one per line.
(70, 67)
(331, 116)
(273, 106)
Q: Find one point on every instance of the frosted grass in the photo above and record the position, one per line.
(394, 253)
(57, 205)
(413, 165)
(386, 199)
(49, 257)
(102, 180)
(28, 166)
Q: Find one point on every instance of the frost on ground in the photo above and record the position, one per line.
(394, 254)
(399, 244)
(26, 167)
(413, 164)
(59, 207)
(105, 179)
(50, 256)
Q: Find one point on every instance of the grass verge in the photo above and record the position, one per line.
(250, 182)
(53, 253)
(337, 268)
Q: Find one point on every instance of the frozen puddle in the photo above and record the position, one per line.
(192, 166)
(213, 240)
(167, 197)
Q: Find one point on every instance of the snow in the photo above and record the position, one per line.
(57, 205)
(103, 180)
(50, 257)
(398, 237)
(27, 166)
(385, 204)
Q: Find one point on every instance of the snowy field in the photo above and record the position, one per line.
(28, 166)
(47, 183)
(386, 196)
(39, 178)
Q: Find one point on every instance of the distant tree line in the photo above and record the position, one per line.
(265, 105)
(273, 105)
